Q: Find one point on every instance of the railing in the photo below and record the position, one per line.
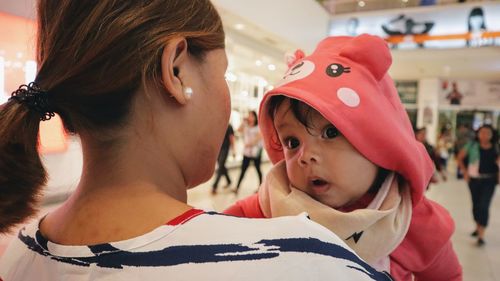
(424, 37)
(336, 7)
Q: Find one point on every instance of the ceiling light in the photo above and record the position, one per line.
(404, 1)
(361, 3)
(239, 26)
(271, 67)
(258, 62)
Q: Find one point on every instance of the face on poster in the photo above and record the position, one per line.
(469, 93)
(472, 18)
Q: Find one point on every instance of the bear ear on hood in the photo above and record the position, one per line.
(292, 58)
(371, 52)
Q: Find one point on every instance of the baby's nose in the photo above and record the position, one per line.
(308, 156)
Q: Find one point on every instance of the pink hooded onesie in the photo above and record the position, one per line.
(346, 80)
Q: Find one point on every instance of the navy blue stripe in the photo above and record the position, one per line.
(177, 255)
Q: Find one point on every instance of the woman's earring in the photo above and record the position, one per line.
(188, 92)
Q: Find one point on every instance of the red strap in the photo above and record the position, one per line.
(184, 217)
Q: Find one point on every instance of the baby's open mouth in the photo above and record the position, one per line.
(318, 182)
(318, 186)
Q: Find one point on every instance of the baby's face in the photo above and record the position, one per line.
(320, 161)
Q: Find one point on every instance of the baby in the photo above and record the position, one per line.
(345, 152)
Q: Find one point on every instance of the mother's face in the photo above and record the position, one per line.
(211, 109)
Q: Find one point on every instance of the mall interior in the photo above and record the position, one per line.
(446, 68)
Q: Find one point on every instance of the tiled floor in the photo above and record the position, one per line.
(479, 264)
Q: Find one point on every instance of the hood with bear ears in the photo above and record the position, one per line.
(346, 80)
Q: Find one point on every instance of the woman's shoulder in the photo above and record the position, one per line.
(287, 226)
(472, 144)
(296, 240)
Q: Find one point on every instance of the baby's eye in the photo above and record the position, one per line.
(291, 143)
(330, 132)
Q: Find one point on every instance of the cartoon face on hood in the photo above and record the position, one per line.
(346, 80)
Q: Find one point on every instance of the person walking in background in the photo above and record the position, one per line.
(227, 144)
(443, 148)
(481, 174)
(421, 136)
(252, 150)
(464, 135)
(142, 83)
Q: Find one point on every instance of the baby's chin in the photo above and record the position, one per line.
(327, 198)
(343, 206)
(328, 201)
(360, 203)
(333, 205)
(323, 198)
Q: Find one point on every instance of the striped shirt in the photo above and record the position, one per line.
(195, 246)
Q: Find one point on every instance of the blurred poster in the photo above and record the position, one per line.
(470, 93)
(18, 66)
(472, 25)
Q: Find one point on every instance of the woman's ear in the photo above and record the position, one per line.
(173, 60)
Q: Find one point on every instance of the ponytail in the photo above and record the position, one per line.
(21, 171)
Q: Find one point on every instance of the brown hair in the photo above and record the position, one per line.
(93, 56)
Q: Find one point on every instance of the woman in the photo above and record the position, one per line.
(132, 79)
(481, 174)
(252, 151)
(227, 144)
(476, 23)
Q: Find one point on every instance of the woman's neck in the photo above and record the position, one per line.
(115, 214)
(119, 198)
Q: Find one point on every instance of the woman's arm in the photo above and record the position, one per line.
(461, 164)
(498, 164)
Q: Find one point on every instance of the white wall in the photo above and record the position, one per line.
(428, 114)
(301, 22)
(22, 8)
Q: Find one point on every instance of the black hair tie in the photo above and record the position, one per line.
(35, 98)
